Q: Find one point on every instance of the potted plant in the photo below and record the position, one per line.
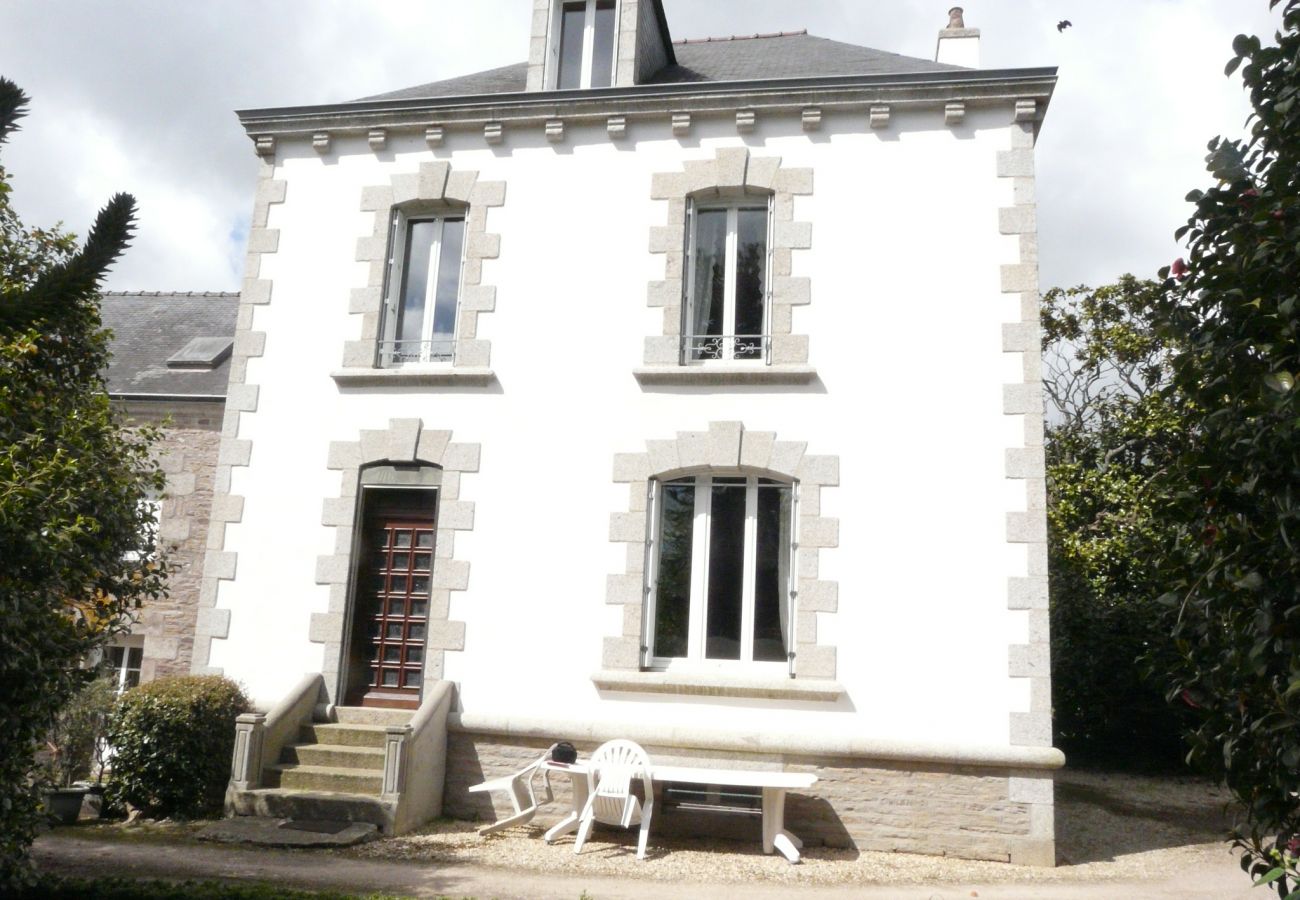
(75, 748)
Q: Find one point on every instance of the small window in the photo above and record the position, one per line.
(721, 570)
(423, 290)
(123, 662)
(726, 310)
(586, 47)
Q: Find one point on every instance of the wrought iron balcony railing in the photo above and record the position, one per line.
(740, 347)
(402, 353)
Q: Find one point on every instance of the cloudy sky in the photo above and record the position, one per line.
(138, 95)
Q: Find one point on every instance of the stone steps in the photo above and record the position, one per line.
(339, 735)
(313, 806)
(323, 779)
(337, 756)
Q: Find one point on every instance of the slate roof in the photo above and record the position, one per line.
(745, 58)
(150, 327)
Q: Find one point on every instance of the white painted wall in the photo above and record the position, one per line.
(905, 329)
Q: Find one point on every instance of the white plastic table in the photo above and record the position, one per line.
(773, 784)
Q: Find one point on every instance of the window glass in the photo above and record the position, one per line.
(444, 314)
(726, 571)
(602, 59)
(723, 565)
(423, 307)
(709, 282)
(676, 534)
(415, 287)
(751, 274)
(572, 24)
(124, 663)
(771, 574)
(726, 316)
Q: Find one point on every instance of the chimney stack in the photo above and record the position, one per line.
(958, 45)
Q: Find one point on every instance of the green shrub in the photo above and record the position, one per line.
(172, 740)
(50, 887)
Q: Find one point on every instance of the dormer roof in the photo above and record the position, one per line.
(729, 59)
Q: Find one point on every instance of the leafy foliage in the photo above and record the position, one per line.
(1233, 575)
(76, 740)
(172, 740)
(78, 555)
(1109, 430)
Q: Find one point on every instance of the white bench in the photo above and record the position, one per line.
(773, 785)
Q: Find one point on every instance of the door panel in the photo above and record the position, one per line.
(391, 609)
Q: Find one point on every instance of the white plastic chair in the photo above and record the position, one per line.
(523, 796)
(613, 766)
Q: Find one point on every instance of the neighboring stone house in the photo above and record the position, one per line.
(170, 366)
(681, 392)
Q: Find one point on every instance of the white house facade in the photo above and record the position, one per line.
(687, 393)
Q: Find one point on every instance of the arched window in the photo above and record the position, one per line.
(720, 571)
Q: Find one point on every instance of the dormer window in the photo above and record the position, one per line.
(586, 44)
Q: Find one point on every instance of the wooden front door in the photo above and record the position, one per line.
(391, 621)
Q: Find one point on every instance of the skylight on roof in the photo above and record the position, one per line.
(201, 353)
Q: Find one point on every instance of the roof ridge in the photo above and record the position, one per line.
(741, 37)
(169, 293)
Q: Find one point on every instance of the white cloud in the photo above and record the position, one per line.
(138, 95)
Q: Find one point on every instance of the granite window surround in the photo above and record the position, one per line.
(725, 447)
(733, 174)
(404, 441)
(435, 189)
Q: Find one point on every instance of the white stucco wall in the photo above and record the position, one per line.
(906, 335)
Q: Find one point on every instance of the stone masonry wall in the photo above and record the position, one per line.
(934, 809)
(189, 458)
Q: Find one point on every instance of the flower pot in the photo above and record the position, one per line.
(64, 806)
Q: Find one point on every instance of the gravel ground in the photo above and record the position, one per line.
(1109, 828)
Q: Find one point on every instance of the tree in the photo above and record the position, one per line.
(1109, 429)
(1233, 567)
(75, 539)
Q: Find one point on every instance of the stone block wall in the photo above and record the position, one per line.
(188, 456)
(860, 803)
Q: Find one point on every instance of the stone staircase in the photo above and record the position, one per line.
(335, 771)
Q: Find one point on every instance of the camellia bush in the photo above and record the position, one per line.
(1232, 573)
(77, 555)
(172, 740)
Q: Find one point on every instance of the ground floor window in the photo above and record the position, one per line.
(122, 662)
(720, 570)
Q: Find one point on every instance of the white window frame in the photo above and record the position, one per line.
(588, 43)
(126, 645)
(733, 208)
(695, 659)
(399, 230)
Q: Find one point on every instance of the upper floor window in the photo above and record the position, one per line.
(721, 569)
(586, 57)
(727, 310)
(423, 289)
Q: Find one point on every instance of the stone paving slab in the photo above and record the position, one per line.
(267, 832)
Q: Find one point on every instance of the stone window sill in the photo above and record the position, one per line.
(716, 685)
(720, 375)
(413, 377)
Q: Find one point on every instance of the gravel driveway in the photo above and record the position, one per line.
(1117, 836)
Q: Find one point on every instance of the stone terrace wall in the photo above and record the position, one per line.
(865, 804)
